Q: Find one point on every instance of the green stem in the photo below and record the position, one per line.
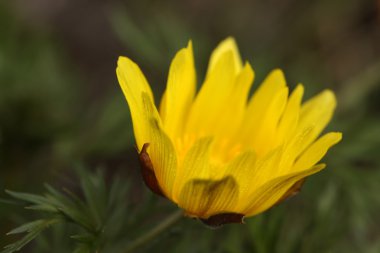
(155, 231)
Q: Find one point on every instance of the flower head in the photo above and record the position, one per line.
(219, 154)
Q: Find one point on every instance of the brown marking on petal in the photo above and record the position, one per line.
(219, 220)
(292, 191)
(208, 191)
(147, 171)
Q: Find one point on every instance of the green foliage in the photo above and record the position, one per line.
(92, 215)
(33, 229)
(147, 39)
(52, 114)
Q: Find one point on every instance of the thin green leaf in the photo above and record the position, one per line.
(33, 229)
(94, 189)
(83, 238)
(43, 208)
(27, 227)
(73, 209)
(28, 197)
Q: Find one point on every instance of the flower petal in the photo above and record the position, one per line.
(289, 119)
(293, 190)
(315, 114)
(251, 172)
(292, 149)
(263, 113)
(243, 169)
(225, 129)
(203, 198)
(147, 171)
(133, 84)
(227, 45)
(196, 164)
(207, 109)
(271, 192)
(272, 84)
(179, 93)
(235, 104)
(161, 150)
(147, 123)
(316, 151)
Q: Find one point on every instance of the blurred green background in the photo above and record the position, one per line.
(61, 105)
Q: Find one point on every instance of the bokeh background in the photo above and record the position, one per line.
(61, 105)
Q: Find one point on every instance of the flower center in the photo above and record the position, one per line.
(223, 150)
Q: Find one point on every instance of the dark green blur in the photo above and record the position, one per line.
(61, 107)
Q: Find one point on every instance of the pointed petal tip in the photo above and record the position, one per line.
(229, 44)
(248, 67)
(125, 63)
(337, 136)
(230, 40)
(329, 96)
(333, 138)
(185, 52)
(190, 45)
(122, 59)
(278, 73)
(275, 78)
(317, 168)
(300, 88)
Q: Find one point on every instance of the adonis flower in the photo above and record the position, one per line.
(219, 154)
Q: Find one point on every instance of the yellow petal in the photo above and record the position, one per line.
(244, 170)
(262, 134)
(315, 114)
(235, 105)
(163, 108)
(161, 150)
(227, 45)
(196, 164)
(272, 84)
(266, 167)
(251, 172)
(268, 194)
(316, 151)
(263, 113)
(133, 84)
(289, 120)
(204, 198)
(147, 123)
(291, 161)
(206, 111)
(179, 93)
(292, 149)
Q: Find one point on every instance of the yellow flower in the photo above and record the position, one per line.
(218, 154)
